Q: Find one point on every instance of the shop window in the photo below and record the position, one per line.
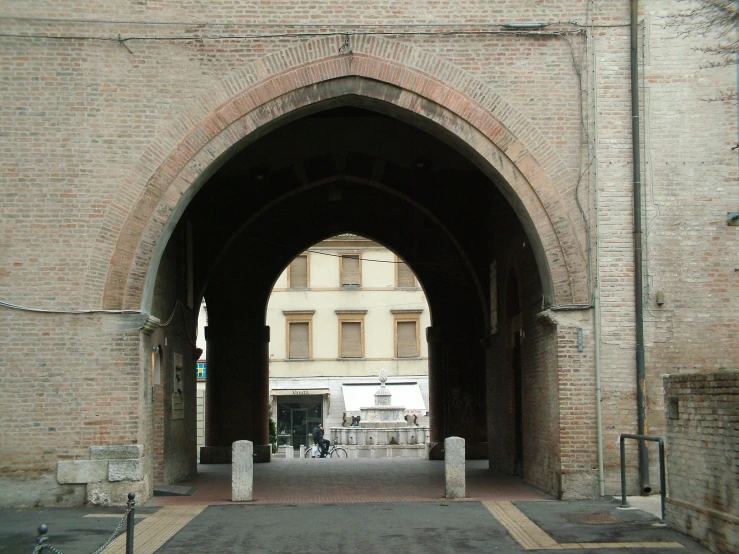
(296, 418)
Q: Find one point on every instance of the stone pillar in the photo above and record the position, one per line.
(259, 362)
(237, 391)
(215, 451)
(437, 408)
(210, 389)
(465, 391)
(454, 467)
(499, 399)
(242, 471)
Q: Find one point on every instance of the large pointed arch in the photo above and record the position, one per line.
(408, 81)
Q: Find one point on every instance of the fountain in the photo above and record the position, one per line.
(383, 430)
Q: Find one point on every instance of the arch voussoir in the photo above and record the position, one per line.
(259, 93)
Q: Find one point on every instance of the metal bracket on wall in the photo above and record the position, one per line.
(732, 219)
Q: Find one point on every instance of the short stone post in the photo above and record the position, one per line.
(242, 471)
(301, 451)
(289, 452)
(454, 467)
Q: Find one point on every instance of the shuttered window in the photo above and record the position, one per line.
(351, 339)
(299, 340)
(406, 279)
(299, 273)
(350, 270)
(407, 339)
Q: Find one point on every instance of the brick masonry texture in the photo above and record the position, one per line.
(702, 457)
(100, 138)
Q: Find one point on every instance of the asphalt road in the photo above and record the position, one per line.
(407, 528)
(402, 528)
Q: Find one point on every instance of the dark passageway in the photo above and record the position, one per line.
(359, 170)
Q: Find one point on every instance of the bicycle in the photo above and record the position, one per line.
(333, 452)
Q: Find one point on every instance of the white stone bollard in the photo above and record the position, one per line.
(288, 452)
(301, 452)
(242, 471)
(454, 467)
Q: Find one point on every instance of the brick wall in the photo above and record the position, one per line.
(702, 411)
(64, 389)
(174, 430)
(83, 118)
(541, 419)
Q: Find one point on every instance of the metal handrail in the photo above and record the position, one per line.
(662, 480)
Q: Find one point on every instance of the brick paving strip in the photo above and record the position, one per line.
(532, 537)
(156, 529)
(350, 481)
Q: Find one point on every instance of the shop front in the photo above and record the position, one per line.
(296, 413)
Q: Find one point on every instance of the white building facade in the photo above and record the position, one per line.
(338, 314)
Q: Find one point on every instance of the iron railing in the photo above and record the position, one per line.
(662, 480)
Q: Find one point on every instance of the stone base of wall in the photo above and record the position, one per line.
(108, 493)
(39, 491)
(110, 474)
(579, 485)
(716, 530)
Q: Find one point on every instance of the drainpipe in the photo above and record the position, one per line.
(638, 286)
(596, 290)
(598, 390)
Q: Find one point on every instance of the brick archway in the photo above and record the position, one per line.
(242, 106)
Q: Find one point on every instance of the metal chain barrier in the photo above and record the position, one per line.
(43, 529)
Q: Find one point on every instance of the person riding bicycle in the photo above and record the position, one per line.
(322, 443)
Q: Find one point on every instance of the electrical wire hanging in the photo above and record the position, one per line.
(302, 250)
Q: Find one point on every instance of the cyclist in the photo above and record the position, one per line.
(322, 443)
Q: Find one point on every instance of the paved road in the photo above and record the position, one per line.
(352, 506)
(72, 530)
(406, 528)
